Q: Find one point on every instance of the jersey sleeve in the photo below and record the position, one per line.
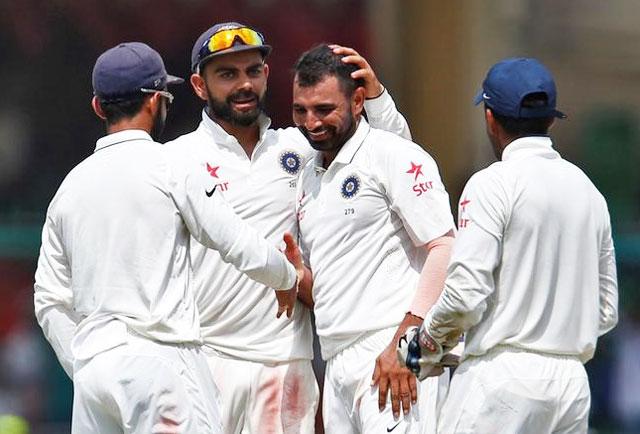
(383, 114)
(608, 282)
(476, 254)
(53, 296)
(411, 180)
(212, 221)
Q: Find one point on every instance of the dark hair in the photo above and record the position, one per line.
(520, 127)
(123, 108)
(319, 62)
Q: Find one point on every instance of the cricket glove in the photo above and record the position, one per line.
(419, 352)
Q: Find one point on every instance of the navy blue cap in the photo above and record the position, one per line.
(123, 70)
(199, 55)
(509, 81)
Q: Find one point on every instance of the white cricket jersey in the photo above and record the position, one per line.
(533, 264)
(238, 314)
(363, 222)
(115, 246)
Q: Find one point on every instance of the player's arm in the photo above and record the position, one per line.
(427, 292)
(381, 110)
(608, 283)
(411, 180)
(477, 252)
(53, 297)
(213, 223)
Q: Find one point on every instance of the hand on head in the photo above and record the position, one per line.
(372, 87)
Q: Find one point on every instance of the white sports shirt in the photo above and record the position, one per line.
(114, 252)
(362, 223)
(238, 314)
(533, 265)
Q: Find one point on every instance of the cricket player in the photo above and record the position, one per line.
(375, 229)
(532, 278)
(261, 365)
(112, 290)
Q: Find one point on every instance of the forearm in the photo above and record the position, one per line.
(213, 222)
(433, 274)
(409, 320)
(468, 285)
(608, 282)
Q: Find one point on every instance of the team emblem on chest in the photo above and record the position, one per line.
(350, 186)
(290, 161)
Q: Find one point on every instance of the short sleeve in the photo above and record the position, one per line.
(413, 185)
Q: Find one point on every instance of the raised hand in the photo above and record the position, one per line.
(372, 87)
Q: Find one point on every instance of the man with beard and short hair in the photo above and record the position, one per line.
(112, 290)
(376, 230)
(262, 365)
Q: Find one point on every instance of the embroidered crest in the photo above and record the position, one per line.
(290, 162)
(350, 186)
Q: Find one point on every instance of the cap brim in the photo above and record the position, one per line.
(478, 98)
(172, 79)
(559, 114)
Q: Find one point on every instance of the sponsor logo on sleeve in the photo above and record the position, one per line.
(350, 187)
(463, 221)
(290, 162)
(419, 187)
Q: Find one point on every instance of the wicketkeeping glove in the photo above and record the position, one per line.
(419, 352)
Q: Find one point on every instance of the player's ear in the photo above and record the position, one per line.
(357, 101)
(266, 70)
(199, 86)
(97, 108)
(492, 124)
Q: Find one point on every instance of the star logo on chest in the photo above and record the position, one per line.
(416, 169)
(213, 170)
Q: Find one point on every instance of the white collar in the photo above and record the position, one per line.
(120, 137)
(527, 146)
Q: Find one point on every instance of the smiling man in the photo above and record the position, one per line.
(377, 249)
(262, 365)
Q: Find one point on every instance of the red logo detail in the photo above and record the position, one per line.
(300, 213)
(416, 169)
(213, 171)
(464, 204)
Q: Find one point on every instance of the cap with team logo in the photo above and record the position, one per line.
(509, 81)
(128, 69)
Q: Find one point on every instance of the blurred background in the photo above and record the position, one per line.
(432, 55)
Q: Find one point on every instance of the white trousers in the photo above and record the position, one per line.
(145, 387)
(350, 403)
(517, 392)
(260, 398)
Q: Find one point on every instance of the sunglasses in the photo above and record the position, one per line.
(164, 93)
(225, 39)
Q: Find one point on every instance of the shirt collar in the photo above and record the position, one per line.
(221, 137)
(349, 149)
(527, 146)
(121, 137)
